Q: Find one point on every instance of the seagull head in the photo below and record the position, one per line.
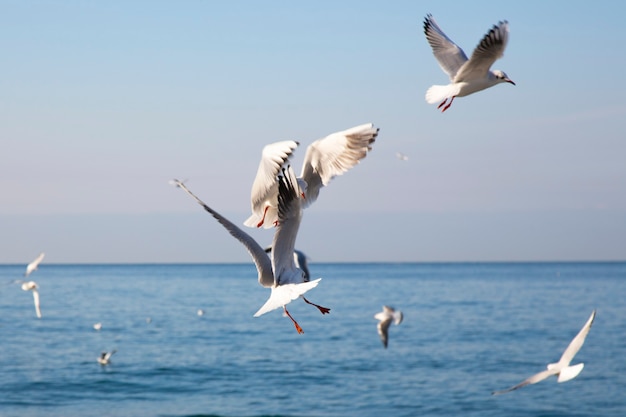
(501, 77)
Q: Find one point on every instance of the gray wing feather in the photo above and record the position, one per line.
(260, 258)
(449, 55)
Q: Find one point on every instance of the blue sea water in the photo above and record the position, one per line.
(468, 329)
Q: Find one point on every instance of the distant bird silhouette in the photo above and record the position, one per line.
(562, 368)
(34, 264)
(385, 318)
(467, 76)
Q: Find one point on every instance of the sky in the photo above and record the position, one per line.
(102, 103)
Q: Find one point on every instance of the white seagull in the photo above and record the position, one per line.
(34, 264)
(385, 318)
(467, 76)
(97, 326)
(105, 357)
(324, 159)
(562, 368)
(32, 287)
(287, 282)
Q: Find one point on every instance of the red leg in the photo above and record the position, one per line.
(448, 106)
(263, 218)
(442, 103)
(295, 323)
(323, 310)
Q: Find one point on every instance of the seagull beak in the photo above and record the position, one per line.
(508, 80)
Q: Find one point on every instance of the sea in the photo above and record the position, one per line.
(468, 329)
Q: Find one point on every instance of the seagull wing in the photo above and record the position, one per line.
(289, 217)
(532, 380)
(34, 264)
(36, 301)
(265, 188)
(383, 330)
(333, 155)
(260, 258)
(490, 48)
(449, 55)
(577, 342)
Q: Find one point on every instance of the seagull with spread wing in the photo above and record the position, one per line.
(324, 159)
(467, 76)
(562, 368)
(279, 273)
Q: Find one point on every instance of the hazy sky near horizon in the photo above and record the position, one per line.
(101, 103)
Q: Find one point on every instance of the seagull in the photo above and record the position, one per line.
(105, 357)
(562, 368)
(324, 159)
(97, 326)
(385, 317)
(32, 286)
(279, 273)
(200, 312)
(467, 76)
(34, 264)
(402, 156)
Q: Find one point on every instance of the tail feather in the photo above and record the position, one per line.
(284, 294)
(570, 372)
(438, 93)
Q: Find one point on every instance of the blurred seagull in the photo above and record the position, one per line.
(324, 159)
(200, 312)
(279, 272)
(385, 317)
(105, 357)
(562, 368)
(97, 326)
(402, 156)
(34, 264)
(467, 76)
(32, 287)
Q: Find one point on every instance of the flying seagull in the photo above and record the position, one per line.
(32, 287)
(385, 318)
(467, 76)
(324, 159)
(562, 368)
(105, 357)
(279, 273)
(34, 264)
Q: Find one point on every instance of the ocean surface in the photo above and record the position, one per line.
(468, 329)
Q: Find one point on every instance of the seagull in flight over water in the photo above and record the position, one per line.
(279, 273)
(324, 159)
(385, 318)
(467, 76)
(562, 368)
(34, 264)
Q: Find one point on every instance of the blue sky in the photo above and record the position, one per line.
(101, 103)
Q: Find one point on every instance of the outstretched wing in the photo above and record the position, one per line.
(333, 155)
(490, 48)
(289, 217)
(449, 55)
(531, 380)
(577, 342)
(260, 258)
